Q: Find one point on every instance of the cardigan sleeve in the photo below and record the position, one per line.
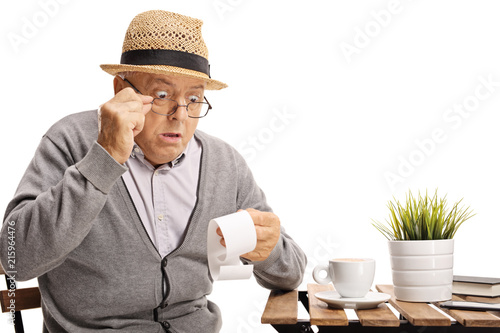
(285, 266)
(54, 206)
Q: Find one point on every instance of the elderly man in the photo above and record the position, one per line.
(112, 213)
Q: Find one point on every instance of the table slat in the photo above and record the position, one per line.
(381, 316)
(26, 298)
(281, 308)
(418, 314)
(473, 318)
(319, 311)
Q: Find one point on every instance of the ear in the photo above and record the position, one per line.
(118, 84)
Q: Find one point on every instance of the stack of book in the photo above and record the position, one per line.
(476, 286)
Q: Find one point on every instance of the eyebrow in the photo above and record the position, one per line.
(168, 83)
(199, 86)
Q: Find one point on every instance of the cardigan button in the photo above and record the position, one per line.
(166, 324)
(164, 262)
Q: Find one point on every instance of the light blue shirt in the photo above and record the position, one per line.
(165, 196)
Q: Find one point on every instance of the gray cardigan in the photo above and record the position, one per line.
(77, 230)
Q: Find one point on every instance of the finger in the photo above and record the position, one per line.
(146, 103)
(130, 106)
(222, 241)
(136, 122)
(127, 94)
(145, 99)
(265, 219)
(138, 103)
(146, 108)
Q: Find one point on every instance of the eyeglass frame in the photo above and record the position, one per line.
(178, 105)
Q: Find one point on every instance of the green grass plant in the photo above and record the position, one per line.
(423, 218)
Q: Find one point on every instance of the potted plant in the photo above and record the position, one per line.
(420, 233)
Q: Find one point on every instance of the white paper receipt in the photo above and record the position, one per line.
(240, 237)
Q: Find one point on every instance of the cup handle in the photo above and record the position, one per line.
(317, 270)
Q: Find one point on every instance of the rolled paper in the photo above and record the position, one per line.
(240, 237)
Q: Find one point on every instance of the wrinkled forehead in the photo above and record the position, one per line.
(174, 81)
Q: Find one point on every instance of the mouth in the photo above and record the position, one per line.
(171, 137)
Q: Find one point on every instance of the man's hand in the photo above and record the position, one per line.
(120, 120)
(267, 227)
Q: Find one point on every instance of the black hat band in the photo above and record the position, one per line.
(168, 58)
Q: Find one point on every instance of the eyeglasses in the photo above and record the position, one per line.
(167, 106)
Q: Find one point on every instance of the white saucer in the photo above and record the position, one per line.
(334, 300)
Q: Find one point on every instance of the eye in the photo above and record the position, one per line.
(193, 98)
(162, 94)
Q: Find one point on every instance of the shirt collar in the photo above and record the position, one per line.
(139, 154)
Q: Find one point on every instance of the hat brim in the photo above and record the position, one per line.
(166, 70)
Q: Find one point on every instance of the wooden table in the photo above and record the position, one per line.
(281, 313)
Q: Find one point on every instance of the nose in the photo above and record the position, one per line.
(181, 112)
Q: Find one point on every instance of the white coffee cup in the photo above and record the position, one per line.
(351, 277)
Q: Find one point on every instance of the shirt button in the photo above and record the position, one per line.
(156, 172)
(136, 149)
(160, 217)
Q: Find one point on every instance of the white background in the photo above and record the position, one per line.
(320, 128)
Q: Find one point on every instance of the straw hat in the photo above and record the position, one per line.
(161, 42)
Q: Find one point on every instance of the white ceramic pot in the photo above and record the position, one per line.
(422, 271)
